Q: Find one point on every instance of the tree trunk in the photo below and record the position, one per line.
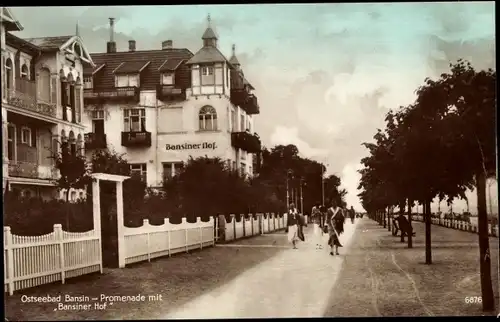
(484, 244)
(384, 218)
(410, 239)
(402, 213)
(67, 210)
(427, 216)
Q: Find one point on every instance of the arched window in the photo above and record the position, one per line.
(24, 71)
(43, 85)
(9, 72)
(208, 118)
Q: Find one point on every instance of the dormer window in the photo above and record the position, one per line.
(167, 78)
(127, 74)
(87, 82)
(127, 80)
(207, 75)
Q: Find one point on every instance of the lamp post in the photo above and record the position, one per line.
(289, 172)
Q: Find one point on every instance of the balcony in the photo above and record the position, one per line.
(246, 141)
(31, 170)
(24, 96)
(114, 94)
(170, 93)
(245, 100)
(136, 139)
(95, 141)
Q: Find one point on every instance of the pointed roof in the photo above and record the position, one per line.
(233, 60)
(71, 44)
(10, 22)
(209, 32)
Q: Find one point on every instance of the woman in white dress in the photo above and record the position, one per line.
(292, 225)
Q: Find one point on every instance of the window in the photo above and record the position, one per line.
(87, 82)
(127, 81)
(134, 120)
(170, 120)
(167, 78)
(242, 123)
(11, 144)
(9, 73)
(43, 85)
(207, 75)
(24, 71)
(171, 169)
(234, 121)
(26, 136)
(242, 168)
(98, 115)
(139, 170)
(208, 118)
(73, 149)
(234, 165)
(73, 196)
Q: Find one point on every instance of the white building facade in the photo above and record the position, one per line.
(161, 107)
(42, 104)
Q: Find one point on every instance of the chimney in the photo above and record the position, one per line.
(111, 45)
(167, 44)
(131, 45)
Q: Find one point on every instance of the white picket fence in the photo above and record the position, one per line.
(35, 260)
(257, 224)
(150, 241)
(459, 225)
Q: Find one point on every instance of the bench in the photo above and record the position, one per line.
(401, 223)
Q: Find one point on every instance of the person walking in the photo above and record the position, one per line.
(317, 226)
(292, 225)
(335, 227)
(352, 214)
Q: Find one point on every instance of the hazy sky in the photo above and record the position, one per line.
(324, 74)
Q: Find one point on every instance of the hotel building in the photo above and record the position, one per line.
(160, 107)
(42, 103)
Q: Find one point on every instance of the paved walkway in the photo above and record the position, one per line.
(295, 283)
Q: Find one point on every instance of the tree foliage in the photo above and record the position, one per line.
(442, 145)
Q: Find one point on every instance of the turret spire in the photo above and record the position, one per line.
(233, 60)
(209, 37)
(77, 31)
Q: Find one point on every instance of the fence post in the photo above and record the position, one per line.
(10, 259)
(216, 225)
(185, 223)
(166, 222)
(59, 237)
(199, 222)
(261, 223)
(145, 224)
(251, 223)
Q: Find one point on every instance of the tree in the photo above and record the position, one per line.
(73, 174)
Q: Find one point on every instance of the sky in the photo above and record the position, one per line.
(324, 74)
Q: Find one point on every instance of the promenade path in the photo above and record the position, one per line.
(375, 275)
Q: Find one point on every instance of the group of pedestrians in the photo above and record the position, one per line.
(326, 221)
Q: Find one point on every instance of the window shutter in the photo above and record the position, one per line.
(53, 90)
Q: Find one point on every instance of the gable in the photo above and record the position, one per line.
(75, 47)
(9, 20)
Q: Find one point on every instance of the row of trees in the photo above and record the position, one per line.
(440, 146)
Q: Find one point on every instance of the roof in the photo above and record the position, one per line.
(10, 22)
(150, 76)
(170, 64)
(233, 60)
(50, 43)
(90, 71)
(208, 54)
(20, 43)
(131, 67)
(209, 34)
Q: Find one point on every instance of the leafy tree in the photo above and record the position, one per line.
(73, 174)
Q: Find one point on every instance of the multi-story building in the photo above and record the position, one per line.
(42, 100)
(160, 107)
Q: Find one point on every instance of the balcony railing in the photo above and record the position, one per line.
(246, 141)
(129, 93)
(168, 93)
(251, 105)
(136, 139)
(32, 170)
(245, 100)
(24, 96)
(95, 141)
